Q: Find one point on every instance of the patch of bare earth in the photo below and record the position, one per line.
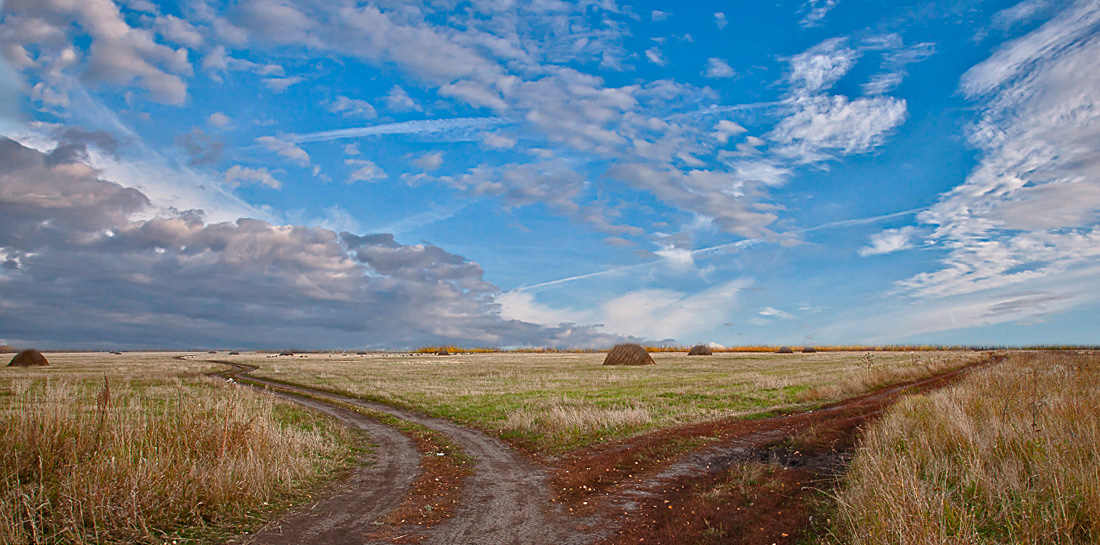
(731, 481)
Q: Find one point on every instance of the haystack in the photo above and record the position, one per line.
(286, 353)
(809, 350)
(785, 350)
(628, 354)
(700, 350)
(234, 353)
(443, 353)
(29, 358)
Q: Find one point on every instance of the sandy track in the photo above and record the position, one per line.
(505, 502)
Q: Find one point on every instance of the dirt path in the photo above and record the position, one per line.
(682, 485)
(505, 502)
(754, 481)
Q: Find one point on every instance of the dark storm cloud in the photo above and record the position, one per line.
(80, 270)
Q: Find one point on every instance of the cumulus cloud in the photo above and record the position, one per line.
(285, 149)
(429, 161)
(176, 281)
(219, 119)
(365, 171)
(890, 241)
(118, 54)
(718, 69)
(399, 100)
(238, 175)
(353, 107)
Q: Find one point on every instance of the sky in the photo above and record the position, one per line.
(327, 174)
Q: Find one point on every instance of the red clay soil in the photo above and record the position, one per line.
(752, 481)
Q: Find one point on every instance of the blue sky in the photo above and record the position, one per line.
(338, 174)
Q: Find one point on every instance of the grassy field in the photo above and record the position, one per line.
(141, 448)
(1008, 456)
(557, 402)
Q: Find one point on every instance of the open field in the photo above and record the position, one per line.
(718, 449)
(552, 403)
(103, 448)
(1009, 455)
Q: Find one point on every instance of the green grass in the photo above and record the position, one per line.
(556, 402)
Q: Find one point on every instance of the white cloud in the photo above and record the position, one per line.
(353, 107)
(237, 175)
(399, 101)
(429, 161)
(218, 119)
(770, 312)
(178, 31)
(1028, 212)
(720, 20)
(655, 56)
(498, 141)
(351, 149)
(890, 241)
(822, 124)
(816, 12)
(279, 85)
(365, 171)
(645, 313)
(725, 128)
(718, 68)
(657, 15)
(820, 67)
(285, 149)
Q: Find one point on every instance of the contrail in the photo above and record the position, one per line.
(739, 245)
(420, 126)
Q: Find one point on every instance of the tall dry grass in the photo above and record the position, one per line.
(115, 462)
(1011, 455)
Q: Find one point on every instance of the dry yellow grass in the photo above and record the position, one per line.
(556, 401)
(139, 449)
(1008, 456)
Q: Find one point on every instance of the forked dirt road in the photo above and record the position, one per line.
(505, 502)
(625, 492)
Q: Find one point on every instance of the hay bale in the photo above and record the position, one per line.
(234, 353)
(628, 354)
(360, 353)
(785, 350)
(443, 353)
(286, 353)
(809, 350)
(29, 358)
(700, 350)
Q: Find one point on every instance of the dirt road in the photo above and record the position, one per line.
(625, 492)
(505, 502)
